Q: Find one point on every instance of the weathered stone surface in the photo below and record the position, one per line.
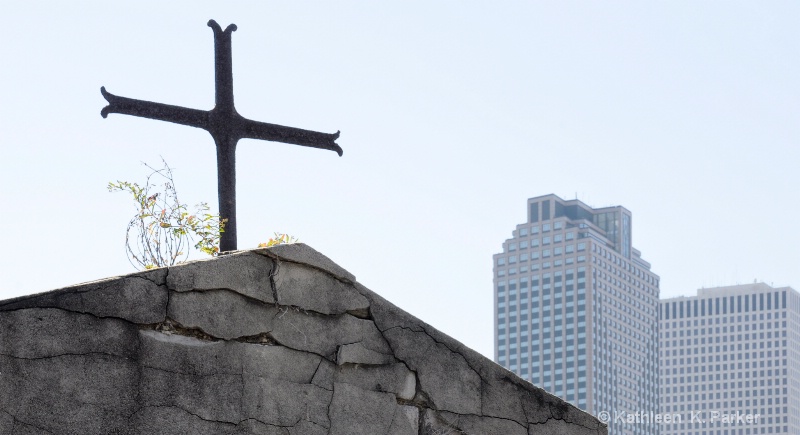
(304, 254)
(313, 290)
(405, 421)
(245, 273)
(284, 403)
(192, 356)
(202, 349)
(221, 313)
(443, 375)
(215, 397)
(45, 332)
(562, 427)
(188, 355)
(255, 427)
(474, 424)
(7, 422)
(537, 404)
(86, 394)
(289, 326)
(279, 362)
(395, 379)
(150, 420)
(434, 424)
(359, 412)
(501, 398)
(324, 334)
(305, 427)
(356, 353)
(542, 408)
(323, 378)
(134, 298)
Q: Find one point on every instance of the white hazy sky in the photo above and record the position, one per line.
(452, 114)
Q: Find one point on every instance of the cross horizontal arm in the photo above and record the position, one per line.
(147, 109)
(296, 136)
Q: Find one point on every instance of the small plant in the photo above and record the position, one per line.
(160, 232)
(279, 239)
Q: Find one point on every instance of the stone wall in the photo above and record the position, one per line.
(271, 341)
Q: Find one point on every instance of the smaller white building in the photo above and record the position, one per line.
(729, 361)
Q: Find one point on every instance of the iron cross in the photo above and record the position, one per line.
(225, 125)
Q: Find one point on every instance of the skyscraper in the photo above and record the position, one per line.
(729, 353)
(576, 310)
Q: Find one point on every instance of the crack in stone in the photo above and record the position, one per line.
(281, 307)
(314, 375)
(267, 424)
(143, 275)
(66, 354)
(268, 254)
(241, 394)
(169, 295)
(552, 417)
(418, 391)
(263, 339)
(422, 330)
(88, 313)
(524, 426)
(17, 420)
(276, 264)
(181, 409)
(362, 313)
(260, 339)
(328, 411)
(173, 327)
(314, 423)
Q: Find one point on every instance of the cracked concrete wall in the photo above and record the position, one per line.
(270, 341)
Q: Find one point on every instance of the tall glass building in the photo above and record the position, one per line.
(576, 311)
(730, 361)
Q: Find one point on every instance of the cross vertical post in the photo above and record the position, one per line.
(223, 111)
(226, 127)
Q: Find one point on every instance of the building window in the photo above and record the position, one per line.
(534, 213)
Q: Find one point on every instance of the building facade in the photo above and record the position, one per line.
(729, 361)
(575, 310)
